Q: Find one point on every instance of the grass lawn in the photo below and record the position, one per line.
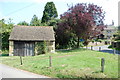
(78, 63)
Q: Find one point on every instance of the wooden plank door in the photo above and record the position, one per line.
(24, 48)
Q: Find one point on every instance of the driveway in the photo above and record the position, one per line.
(105, 49)
(10, 72)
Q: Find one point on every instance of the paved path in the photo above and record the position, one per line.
(105, 49)
(9, 72)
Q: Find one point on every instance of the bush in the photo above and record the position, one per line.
(110, 46)
(81, 44)
(93, 41)
(41, 47)
(5, 53)
(99, 40)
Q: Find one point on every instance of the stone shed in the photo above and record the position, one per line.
(24, 40)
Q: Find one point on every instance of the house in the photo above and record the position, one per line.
(23, 40)
(109, 32)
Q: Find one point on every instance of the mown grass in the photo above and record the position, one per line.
(77, 63)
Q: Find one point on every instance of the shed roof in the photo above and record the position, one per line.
(32, 33)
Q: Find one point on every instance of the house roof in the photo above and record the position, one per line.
(32, 33)
(111, 28)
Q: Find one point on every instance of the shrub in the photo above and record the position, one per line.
(5, 53)
(99, 40)
(41, 47)
(93, 41)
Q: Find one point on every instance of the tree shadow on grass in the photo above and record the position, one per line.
(111, 51)
(71, 50)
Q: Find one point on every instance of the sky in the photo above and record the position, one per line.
(23, 10)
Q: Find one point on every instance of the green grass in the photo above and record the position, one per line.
(77, 63)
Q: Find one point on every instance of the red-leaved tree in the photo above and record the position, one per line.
(84, 20)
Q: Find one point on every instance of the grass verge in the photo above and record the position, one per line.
(77, 63)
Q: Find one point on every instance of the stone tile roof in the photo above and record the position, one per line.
(32, 33)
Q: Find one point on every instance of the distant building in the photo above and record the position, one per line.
(109, 31)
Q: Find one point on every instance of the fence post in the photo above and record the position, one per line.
(91, 47)
(50, 61)
(102, 64)
(99, 48)
(114, 51)
(86, 46)
(21, 60)
(113, 48)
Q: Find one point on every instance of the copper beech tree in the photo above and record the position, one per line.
(84, 20)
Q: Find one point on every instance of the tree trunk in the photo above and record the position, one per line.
(78, 42)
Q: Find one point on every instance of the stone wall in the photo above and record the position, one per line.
(11, 47)
(50, 47)
(49, 44)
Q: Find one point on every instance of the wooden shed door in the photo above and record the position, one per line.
(23, 48)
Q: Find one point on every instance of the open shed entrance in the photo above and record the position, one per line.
(22, 48)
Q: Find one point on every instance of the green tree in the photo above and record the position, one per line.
(53, 22)
(49, 12)
(5, 32)
(23, 23)
(35, 21)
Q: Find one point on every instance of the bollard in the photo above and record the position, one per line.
(91, 47)
(86, 47)
(113, 51)
(21, 60)
(99, 48)
(102, 64)
(50, 61)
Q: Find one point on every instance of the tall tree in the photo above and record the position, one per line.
(83, 20)
(35, 21)
(23, 23)
(49, 12)
(5, 32)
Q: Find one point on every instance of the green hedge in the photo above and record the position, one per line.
(4, 54)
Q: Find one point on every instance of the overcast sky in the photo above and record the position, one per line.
(23, 10)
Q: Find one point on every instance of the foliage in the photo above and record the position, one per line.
(117, 36)
(23, 23)
(5, 52)
(35, 21)
(41, 48)
(64, 38)
(98, 40)
(5, 32)
(49, 12)
(53, 22)
(85, 21)
(76, 63)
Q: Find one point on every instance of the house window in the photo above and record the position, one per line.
(108, 31)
